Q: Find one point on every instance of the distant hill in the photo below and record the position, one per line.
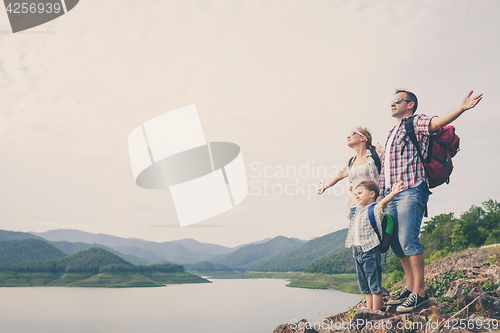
(305, 254)
(72, 248)
(70, 235)
(138, 252)
(211, 249)
(90, 260)
(68, 247)
(251, 243)
(337, 263)
(249, 256)
(181, 251)
(206, 266)
(23, 250)
(10, 235)
(94, 267)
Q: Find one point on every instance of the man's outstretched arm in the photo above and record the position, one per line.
(468, 103)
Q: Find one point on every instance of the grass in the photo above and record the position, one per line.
(254, 275)
(14, 279)
(344, 282)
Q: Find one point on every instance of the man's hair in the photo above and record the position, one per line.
(410, 96)
(370, 185)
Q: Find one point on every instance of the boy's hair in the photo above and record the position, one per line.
(370, 185)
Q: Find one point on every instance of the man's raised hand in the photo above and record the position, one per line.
(470, 102)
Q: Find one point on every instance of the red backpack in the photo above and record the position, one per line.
(442, 147)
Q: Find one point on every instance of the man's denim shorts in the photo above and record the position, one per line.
(369, 270)
(407, 209)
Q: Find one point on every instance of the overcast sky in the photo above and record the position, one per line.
(285, 80)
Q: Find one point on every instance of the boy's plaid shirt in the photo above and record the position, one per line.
(367, 237)
(406, 167)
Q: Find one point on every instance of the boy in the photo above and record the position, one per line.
(364, 241)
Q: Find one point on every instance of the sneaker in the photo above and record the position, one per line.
(413, 302)
(401, 298)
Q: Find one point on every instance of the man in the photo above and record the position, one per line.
(408, 207)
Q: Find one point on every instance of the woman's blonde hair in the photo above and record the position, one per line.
(368, 136)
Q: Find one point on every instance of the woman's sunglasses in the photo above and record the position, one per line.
(356, 132)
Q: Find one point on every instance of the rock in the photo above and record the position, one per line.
(471, 283)
(485, 308)
(474, 323)
(360, 305)
(428, 290)
(303, 326)
(391, 310)
(340, 317)
(479, 323)
(456, 291)
(410, 322)
(476, 290)
(486, 305)
(368, 314)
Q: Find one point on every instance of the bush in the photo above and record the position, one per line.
(394, 278)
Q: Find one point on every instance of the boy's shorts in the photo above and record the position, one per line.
(369, 269)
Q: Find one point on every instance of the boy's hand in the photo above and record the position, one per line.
(397, 188)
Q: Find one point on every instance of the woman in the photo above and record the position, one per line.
(364, 165)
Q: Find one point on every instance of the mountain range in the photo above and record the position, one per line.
(279, 254)
(185, 251)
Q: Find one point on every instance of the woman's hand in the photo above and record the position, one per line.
(321, 188)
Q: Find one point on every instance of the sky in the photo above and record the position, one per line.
(285, 80)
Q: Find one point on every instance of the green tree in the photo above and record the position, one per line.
(436, 233)
(469, 230)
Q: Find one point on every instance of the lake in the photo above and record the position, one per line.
(224, 306)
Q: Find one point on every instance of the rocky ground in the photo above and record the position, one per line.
(465, 297)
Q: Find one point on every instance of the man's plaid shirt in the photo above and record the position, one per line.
(368, 239)
(406, 167)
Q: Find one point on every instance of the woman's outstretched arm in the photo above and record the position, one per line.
(338, 177)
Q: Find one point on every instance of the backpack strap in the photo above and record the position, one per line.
(373, 223)
(351, 160)
(376, 159)
(410, 132)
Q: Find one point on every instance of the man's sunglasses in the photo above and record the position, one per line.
(399, 100)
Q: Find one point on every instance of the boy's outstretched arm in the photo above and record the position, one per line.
(397, 188)
(468, 103)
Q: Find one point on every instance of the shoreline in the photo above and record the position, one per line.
(10, 279)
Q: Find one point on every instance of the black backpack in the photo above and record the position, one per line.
(375, 157)
(387, 228)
